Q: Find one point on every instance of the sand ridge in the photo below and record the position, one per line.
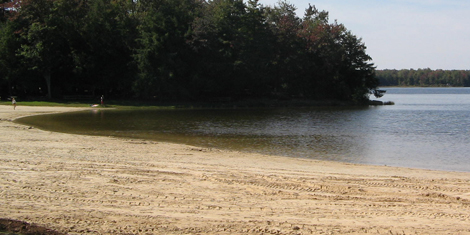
(80, 184)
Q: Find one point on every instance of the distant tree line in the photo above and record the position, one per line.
(178, 50)
(424, 77)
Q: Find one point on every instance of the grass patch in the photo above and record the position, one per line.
(140, 104)
(47, 103)
(119, 104)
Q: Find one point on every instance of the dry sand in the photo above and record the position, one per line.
(102, 185)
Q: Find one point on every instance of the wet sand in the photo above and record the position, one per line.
(80, 184)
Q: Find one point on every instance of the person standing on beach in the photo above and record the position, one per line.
(13, 102)
(102, 100)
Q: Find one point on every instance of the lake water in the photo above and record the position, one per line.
(426, 128)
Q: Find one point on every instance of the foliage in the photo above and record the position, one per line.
(102, 48)
(180, 50)
(162, 54)
(424, 77)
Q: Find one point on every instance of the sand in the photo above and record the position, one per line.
(80, 184)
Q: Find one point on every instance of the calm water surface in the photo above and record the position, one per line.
(426, 128)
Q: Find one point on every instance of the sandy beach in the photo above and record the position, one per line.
(79, 184)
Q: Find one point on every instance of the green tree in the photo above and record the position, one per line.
(105, 34)
(337, 64)
(253, 44)
(14, 75)
(186, 50)
(80, 45)
(357, 71)
(45, 47)
(8, 59)
(235, 44)
(215, 40)
(163, 55)
(289, 60)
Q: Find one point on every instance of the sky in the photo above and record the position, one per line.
(404, 34)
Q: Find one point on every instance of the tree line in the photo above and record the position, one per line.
(424, 77)
(179, 50)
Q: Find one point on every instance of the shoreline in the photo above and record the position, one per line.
(79, 184)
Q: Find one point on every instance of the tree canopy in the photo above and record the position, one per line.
(179, 50)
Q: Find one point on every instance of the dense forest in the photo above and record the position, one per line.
(424, 77)
(178, 50)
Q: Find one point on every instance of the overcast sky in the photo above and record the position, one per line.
(404, 34)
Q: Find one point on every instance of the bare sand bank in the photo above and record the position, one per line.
(101, 185)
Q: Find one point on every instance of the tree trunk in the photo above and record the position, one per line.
(47, 76)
